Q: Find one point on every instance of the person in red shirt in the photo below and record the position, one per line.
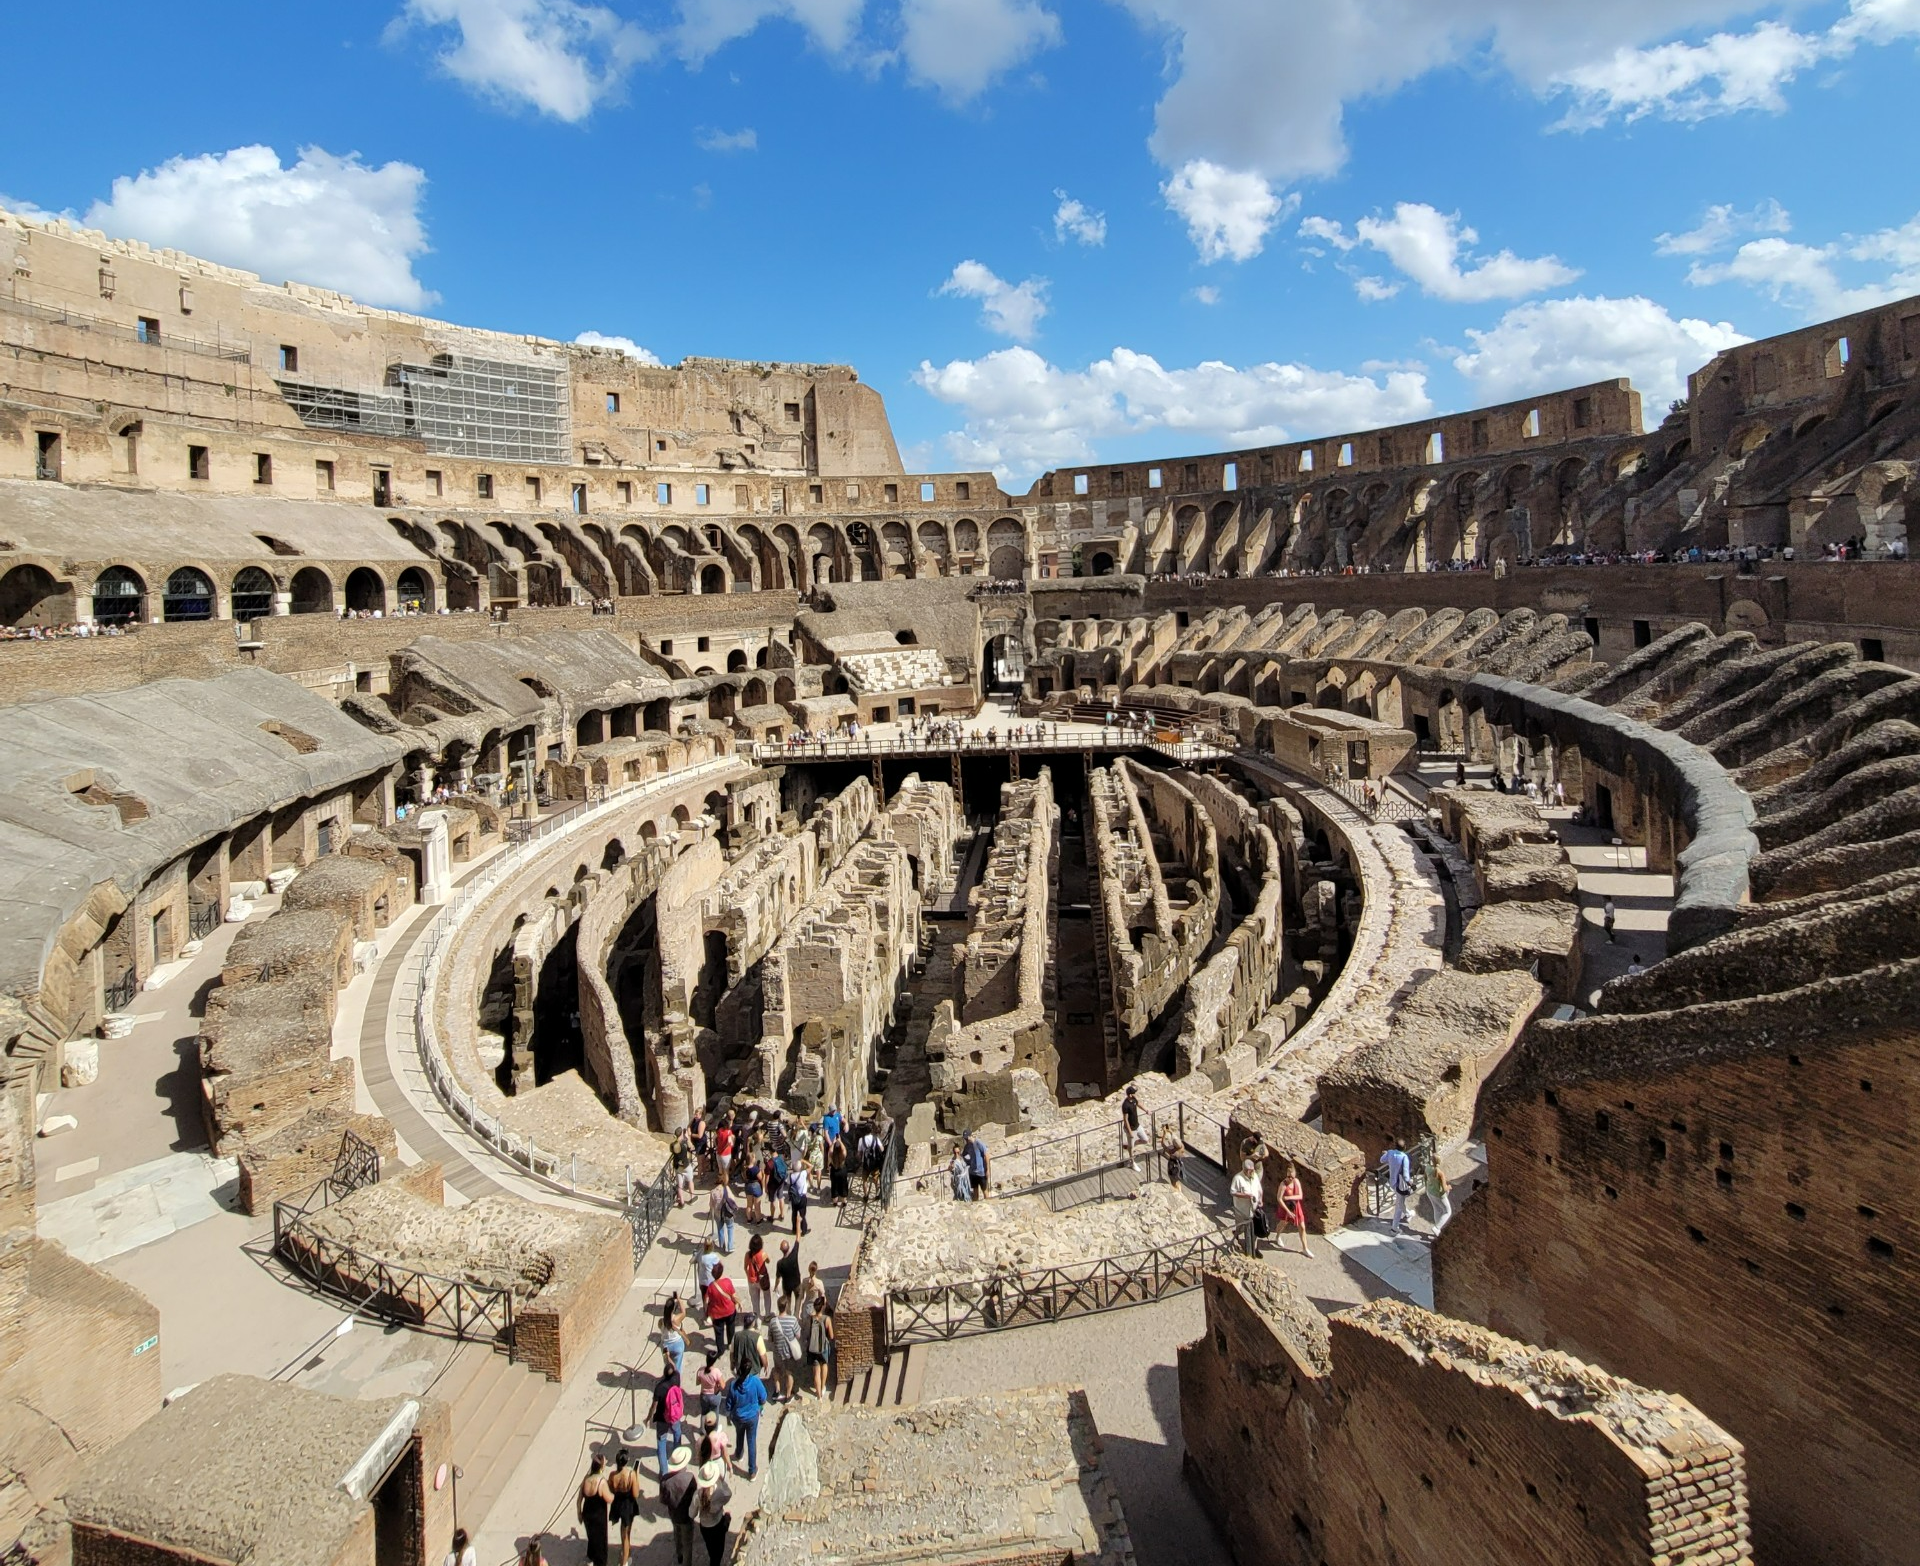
(721, 1307)
(723, 1148)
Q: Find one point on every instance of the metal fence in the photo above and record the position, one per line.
(1091, 1149)
(976, 742)
(203, 918)
(1376, 1191)
(118, 996)
(1024, 1299)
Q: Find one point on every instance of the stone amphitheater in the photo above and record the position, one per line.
(405, 840)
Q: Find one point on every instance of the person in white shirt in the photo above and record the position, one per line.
(462, 1553)
(1399, 1170)
(1246, 1203)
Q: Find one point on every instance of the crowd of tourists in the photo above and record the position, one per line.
(748, 1337)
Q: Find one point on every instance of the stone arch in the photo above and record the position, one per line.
(933, 543)
(251, 594)
(365, 590)
(1007, 549)
(414, 590)
(966, 537)
(756, 693)
(32, 595)
(188, 595)
(591, 729)
(823, 554)
(119, 596)
(1101, 564)
(613, 855)
(737, 661)
(713, 578)
(721, 701)
(783, 689)
(896, 551)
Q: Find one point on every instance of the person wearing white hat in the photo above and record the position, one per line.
(710, 1510)
(680, 1494)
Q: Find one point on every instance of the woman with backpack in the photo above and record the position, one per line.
(820, 1345)
(668, 1412)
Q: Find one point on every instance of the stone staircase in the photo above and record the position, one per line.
(498, 1409)
(894, 1384)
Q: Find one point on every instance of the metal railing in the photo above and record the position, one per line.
(1004, 1300)
(1091, 1149)
(120, 331)
(118, 996)
(1376, 1191)
(203, 918)
(977, 742)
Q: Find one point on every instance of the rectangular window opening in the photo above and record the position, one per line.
(199, 463)
(793, 412)
(701, 494)
(926, 494)
(962, 490)
(613, 402)
(892, 493)
(1345, 459)
(382, 487)
(323, 476)
(1530, 425)
(436, 483)
(1306, 462)
(1153, 478)
(742, 497)
(1642, 633)
(816, 493)
(580, 500)
(46, 454)
(289, 358)
(1079, 483)
(483, 486)
(147, 329)
(663, 494)
(623, 488)
(262, 467)
(1582, 413)
(1230, 476)
(533, 489)
(1436, 447)
(1873, 649)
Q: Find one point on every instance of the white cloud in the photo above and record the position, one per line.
(707, 25)
(1207, 294)
(558, 56)
(1725, 74)
(330, 221)
(1556, 343)
(1012, 310)
(1265, 86)
(959, 46)
(1808, 277)
(1073, 219)
(1430, 247)
(625, 345)
(1228, 212)
(1023, 413)
(1722, 225)
(746, 139)
(1374, 289)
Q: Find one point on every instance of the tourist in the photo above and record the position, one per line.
(786, 1271)
(1248, 1209)
(697, 1136)
(978, 1165)
(820, 1345)
(714, 1445)
(783, 1336)
(749, 1352)
(678, 1495)
(797, 1186)
(776, 1184)
(745, 1399)
(706, 1268)
(531, 1555)
(1439, 1204)
(462, 1553)
(723, 1149)
(592, 1509)
(830, 1122)
(1559, 794)
(721, 1307)
(759, 1286)
(1399, 1172)
(683, 1160)
(722, 1209)
(624, 1485)
(1132, 1138)
(1174, 1154)
(837, 1168)
(710, 1510)
(673, 1330)
(667, 1415)
(959, 1176)
(1607, 917)
(754, 1192)
(710, 1381)
(1292, 1206)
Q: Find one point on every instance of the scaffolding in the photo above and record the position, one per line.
(458, 406)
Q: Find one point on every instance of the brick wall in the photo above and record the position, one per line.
(1739, 1225)
(564, 1320)
(1391, 1435)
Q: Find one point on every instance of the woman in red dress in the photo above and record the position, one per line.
(1293, 1207)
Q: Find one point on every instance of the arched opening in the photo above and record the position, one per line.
(756, 693)
(712, 983)
(366, 593)
(658, 716)
(1102, 563)
(29, 595)
(188, 596)
(737, 661)
(614, 856)
(312, 591)
(713, 579)
(119, 596)
(1006, 550)
(1003, 664)
(783, 689)
(252, 594)
(591, 729)
(720, 701)
(414, 589)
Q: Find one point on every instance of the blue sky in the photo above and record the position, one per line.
(1049, 231)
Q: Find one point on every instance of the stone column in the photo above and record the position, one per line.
(436, 858)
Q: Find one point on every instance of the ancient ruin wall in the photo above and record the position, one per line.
(1227, 995)
(1390, 1434)
(1713, 1200)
